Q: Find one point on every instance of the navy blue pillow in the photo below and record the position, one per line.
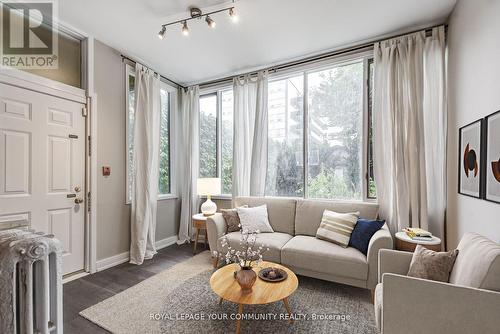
(363, 232)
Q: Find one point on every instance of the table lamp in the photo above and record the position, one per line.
(207, 187)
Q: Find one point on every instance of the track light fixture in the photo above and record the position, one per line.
(162, 32)
(185, 29)
(210, 22)
(232, 14)
(196, 13)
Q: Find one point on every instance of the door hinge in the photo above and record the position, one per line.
(88, 202)
(90, 145)
(84, 111)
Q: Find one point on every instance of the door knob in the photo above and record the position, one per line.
(78, 200)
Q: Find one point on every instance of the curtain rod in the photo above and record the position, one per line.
(326, 55)
(133, 62)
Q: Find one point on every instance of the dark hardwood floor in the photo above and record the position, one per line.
(92, 289)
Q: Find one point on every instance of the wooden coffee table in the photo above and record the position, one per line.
(225, 286)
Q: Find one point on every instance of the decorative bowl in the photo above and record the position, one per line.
(272, 274)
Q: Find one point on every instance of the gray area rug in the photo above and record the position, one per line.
(179, 300)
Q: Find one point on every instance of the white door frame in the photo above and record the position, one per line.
(88, 97)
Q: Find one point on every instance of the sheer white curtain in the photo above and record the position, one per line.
(409, 108)
(250, 135)
(146, 152)
(188, 158)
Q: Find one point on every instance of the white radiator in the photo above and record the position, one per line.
(30, 283)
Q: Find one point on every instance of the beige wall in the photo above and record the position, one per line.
(113, 215)
(474, 92)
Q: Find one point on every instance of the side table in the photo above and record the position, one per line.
(407, 244)
(200, 223)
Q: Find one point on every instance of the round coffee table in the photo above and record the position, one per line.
(227, 288)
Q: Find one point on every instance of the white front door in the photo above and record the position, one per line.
(42, 168)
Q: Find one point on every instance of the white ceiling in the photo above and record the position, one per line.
(268, 32)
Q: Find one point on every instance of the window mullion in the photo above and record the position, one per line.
(219, 135)
(305, 135)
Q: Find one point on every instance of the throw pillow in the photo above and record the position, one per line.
(232, 219)
(337, 227)
(254, 219)
(363, 232)
(432, 265)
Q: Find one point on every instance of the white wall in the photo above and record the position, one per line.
(474, 92)
(113, 215)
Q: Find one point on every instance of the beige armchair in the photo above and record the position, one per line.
(470, 303)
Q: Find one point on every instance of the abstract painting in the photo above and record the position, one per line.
(492, 169)
(469, 172)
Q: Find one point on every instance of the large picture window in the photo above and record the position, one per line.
(319, 133)
(216, 137)
(166, 97)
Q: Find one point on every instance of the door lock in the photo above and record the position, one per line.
(78, 200)
(77, 189)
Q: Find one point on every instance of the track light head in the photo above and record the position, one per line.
(161, 34)
(185, 29)
(210, 22)
(232, 14)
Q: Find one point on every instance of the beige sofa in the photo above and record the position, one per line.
(294, 245)
(470, 303)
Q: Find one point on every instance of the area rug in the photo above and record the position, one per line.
(179, 300)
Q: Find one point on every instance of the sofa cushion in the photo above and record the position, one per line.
(309, 212)
(321, 256)
(477, 264)
(274, 241)
(255, 219)
(281, 211)
(232, 219)
(431, 265)
(377, 302)
(337, 227)
(363, 232)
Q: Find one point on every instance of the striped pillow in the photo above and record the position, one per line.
(337, 227)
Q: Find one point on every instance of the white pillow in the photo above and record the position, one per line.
(254, 219)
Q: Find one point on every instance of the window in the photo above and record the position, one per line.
(285, 173)
(335, 98)
(227, 141)
(164, 157)
(166, 97)
(328, 135)
(208, 135)
(372, 190)
(216, 137)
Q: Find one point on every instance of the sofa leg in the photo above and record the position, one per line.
(215, 261)
(372, 294)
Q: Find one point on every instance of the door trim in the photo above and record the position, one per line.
(42, 85)
(88, 98)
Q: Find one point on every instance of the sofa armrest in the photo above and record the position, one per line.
(438, 307)
(380, 240)
(393, 262)
(216, 228)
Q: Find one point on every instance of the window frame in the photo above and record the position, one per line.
(172, 101)
(366, 57)
(217, 91)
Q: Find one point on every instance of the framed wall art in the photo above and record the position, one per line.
(492, 157)
(470, 159)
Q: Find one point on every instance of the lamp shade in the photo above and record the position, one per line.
(209, 186)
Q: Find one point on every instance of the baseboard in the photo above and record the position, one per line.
(125, 256)
(112, 261)
(166, 242)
